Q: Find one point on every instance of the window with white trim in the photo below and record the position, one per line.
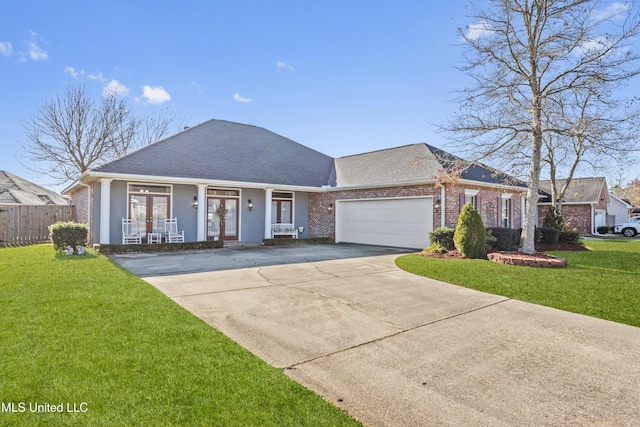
(506, 210)
(471, 196)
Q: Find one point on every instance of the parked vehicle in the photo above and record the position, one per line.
(629, 228)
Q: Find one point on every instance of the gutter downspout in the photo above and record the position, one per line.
(442, 206)
(88, 210)
(593, 219)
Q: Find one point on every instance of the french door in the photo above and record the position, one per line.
(281, 211)
(222, 218)
(149, 212)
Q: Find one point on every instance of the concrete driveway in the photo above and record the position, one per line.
(395, 349)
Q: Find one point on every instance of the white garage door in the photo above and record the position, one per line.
(403, 222)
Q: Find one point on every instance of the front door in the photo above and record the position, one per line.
(222, 218)
(149, 212)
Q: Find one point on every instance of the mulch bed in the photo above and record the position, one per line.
(539, 259)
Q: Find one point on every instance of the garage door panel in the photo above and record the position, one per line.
(391, 222)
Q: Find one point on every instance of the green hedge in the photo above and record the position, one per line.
(507, 239)
(569, 236)
(160, 247)
(547, 236)
(63, 234)
(442, 237)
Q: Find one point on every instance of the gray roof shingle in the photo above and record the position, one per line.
(16, 190)
(580, 190)
(417, 162)
(227, 151)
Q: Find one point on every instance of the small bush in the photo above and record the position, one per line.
(507, 239)
(443, 237)
(470, 235)
(434, 248)
(603, 229)
(64, 234)
(569, 236)
(553, 219)
(547, 236)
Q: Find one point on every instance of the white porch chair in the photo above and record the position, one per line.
(172, 235)
(130, 233)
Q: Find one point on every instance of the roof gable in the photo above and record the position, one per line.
(16, 190)
(227, 151)
(580, 190)
(417, 162)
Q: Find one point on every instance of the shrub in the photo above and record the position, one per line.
(443, 237)
(64, 234)
(435, 248)
(553, 219)
(159, 247)
(507, 239)
(603, 229)
(547, 236)
(469, 237)
(569, 236)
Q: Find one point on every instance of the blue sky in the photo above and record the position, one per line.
(341, 77)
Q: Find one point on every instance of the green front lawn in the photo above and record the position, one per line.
(82, 332)
(603, 282)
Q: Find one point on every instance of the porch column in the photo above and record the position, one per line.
(201, 215)
(105, 210)
(268, 193)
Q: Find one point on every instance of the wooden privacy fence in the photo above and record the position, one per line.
(21, 224)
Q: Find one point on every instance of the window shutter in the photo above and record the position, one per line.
(499, 214)
(461, 201)
(479, 204)
(511, 213)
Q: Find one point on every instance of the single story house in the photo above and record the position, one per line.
(231, 181)
(585, 203)
(618, 210)
(18, 191)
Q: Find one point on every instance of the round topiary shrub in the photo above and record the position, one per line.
(63, 234)
(470, 235)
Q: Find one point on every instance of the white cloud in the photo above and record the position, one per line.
(195, 86)
(114, 88)
(283, 66)
(73, 73)
(479, 30)
(6, 48)
(614, 10)
(36, 53)
(238, 98)
(155, 95)
(98, 77)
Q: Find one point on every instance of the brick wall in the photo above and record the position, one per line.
(322, 221)
(576, 217)
(79, 200)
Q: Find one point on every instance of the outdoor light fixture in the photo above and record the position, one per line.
(250, 205)
(195, 202)
(437, 204)
(330, 207)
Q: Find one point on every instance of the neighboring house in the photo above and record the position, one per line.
(618, 210)
(584, 207)
(390, 197)
(17, 191)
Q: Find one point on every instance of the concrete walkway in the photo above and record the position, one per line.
(395, 349)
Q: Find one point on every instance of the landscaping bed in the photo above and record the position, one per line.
(159, 247)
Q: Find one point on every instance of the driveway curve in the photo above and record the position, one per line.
(395, 349)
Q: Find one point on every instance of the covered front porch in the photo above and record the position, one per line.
(202, 211)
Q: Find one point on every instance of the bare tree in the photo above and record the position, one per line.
(71, 133)
(592, 128)
(524, 58)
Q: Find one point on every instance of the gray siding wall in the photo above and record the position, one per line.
(182, 208)
(301, 214)
(252, 222)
